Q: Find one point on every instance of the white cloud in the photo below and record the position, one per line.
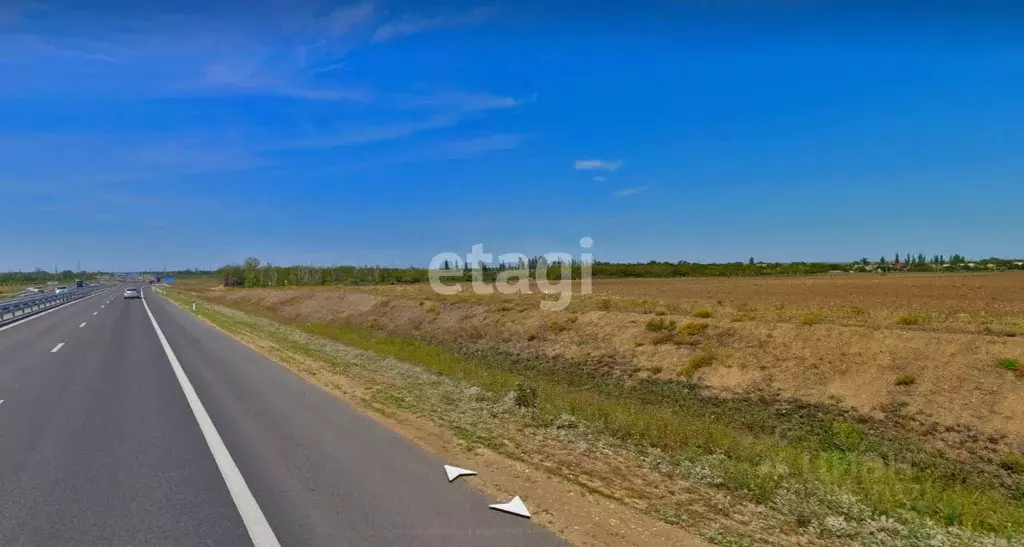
(450, 100)
(599, 179)
(345, 18)
(371, 134)
(409, 25)
(625, 192)
(593, 165)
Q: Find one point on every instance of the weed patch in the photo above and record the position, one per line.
(659, 324)
(693, 328)
(905, 379)
(910, 319)
(1010, 363)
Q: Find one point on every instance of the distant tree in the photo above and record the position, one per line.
(751, 262)
(896, 259)
(864, 262)
(882, 261)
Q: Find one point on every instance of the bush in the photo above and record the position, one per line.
(846, 436)
(1009, 363)
(659, 324)
(905, 379)
(703, 313)
(693, 328)
(525, 395)
(655, 370)
(1012, 462)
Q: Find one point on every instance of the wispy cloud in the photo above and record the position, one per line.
(251, 77)
(370, 134)
(626, 192)
(451, 100)
(594, 165)
(480, 145)
(346, 18)
(409, 25)
(598, 179)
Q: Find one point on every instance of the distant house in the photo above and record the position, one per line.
(900, 266)
(990, 266)
(1018, 263)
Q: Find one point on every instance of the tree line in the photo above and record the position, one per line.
(40, 277)
(252, 272)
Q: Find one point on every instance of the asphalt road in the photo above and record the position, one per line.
(126, 426)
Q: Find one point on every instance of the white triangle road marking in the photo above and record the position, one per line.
(456, 472)
(514, 507)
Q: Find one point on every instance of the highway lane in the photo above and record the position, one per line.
(98, 445)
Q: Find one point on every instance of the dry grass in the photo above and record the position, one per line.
(804, 460)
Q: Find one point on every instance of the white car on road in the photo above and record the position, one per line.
(132, 292)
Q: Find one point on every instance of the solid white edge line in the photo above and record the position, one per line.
(252, 516)
(82, 325)
(57, 347)
(40, 314)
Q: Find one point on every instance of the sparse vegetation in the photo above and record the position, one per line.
(1012, 462)
(797, 457)
(703, 313)
(905, 379)
(910, 319)
(659, 324)
(702, 359)
(693, 328)
(811, 318)
(1010, 363)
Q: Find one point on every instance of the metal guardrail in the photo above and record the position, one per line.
(13, 309)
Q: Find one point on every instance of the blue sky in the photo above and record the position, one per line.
(134, 135)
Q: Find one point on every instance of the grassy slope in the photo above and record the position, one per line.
(833, 473)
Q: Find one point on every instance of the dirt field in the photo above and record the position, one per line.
(929, 360)
(836, 339)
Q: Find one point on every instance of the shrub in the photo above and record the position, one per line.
(525, 395)
(697, 362)
(660, 312)
(811, 318)
(605, 304)
(659, 324)
(572, 319)
(693, 328)
(1012, 462)
(905, 379)
(655, 370)
(846, 436)
(703, 313)
(910, 319)
(1009, 363)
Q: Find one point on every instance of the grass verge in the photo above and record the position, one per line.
(831, 473)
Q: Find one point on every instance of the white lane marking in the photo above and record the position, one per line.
(103, 306)
(57, 347)
(252, 516)
(40, 314)
(82, 325)
(95, 312)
